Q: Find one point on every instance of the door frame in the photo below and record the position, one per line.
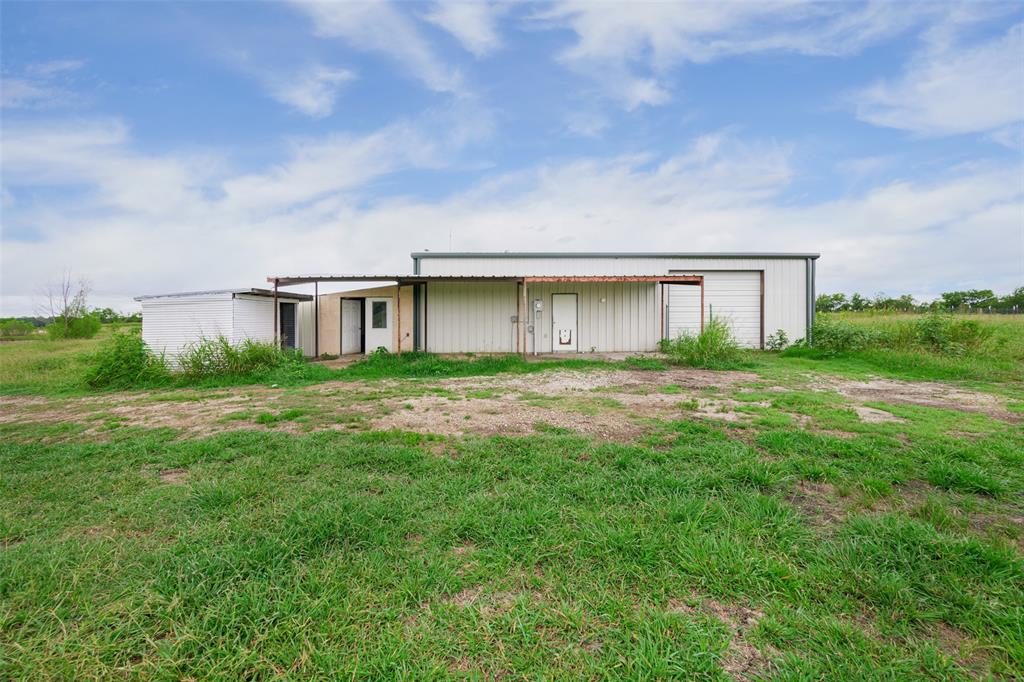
(576, 327)
(341, 324)
(368, 322)
(295, 325)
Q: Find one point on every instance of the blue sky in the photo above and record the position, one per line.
(154, 147)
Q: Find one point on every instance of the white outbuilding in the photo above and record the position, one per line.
(173, 322)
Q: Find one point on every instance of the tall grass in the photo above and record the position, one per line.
(713, 348)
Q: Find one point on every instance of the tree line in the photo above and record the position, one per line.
(952, 301)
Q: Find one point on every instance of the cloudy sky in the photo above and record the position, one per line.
(158, 147)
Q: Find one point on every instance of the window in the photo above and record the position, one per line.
(379, 315)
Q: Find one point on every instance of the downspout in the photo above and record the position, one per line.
(814, 290)
(809, 303)
(416, 296)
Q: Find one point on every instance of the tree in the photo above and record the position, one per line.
(859, 303)
(66, 305)
(972, 298)
(830, 303)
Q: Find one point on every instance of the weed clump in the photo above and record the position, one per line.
(713, 348)
(218, 357)
(124, 360)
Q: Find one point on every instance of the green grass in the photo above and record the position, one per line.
(834, 548)
(372, 556)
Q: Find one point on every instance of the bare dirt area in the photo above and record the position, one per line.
(927, 394)
(743, 661)
(617, 405)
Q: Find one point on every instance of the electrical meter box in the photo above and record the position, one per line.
(538, 304)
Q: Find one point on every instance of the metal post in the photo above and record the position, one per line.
(702, 303)
(277, 336)
(398, 315)
(316, 319)
(526, 313)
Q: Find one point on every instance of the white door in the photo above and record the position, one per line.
(378, 325)
(563, 323)
(351, 326)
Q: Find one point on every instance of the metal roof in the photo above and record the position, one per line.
(214, 292)
(610, 254)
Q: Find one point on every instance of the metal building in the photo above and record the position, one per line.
(563, 302)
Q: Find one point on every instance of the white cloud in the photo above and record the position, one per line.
(39, 86)
(379, 27)
(142, 224)
(630, 48)
(474, 24)
(312, 91)
(586, 123)
(949, 88)
(51, 68)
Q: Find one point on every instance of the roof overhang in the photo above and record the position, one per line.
(223, 292)
(290, 280)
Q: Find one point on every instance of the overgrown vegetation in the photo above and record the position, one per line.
(713, 348)
(951, 301)
(124, 361)
(934, 333)
(220, 358)
(13, 328)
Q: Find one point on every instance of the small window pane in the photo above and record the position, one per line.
(380, 315)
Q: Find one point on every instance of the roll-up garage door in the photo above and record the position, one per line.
(731, 296)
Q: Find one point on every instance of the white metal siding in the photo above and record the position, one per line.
(171, 324)
(306, 323)
(785, 293)
(464, 317)
(622, 316)
(254, 319)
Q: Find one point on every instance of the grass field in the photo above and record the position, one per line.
(799, 518)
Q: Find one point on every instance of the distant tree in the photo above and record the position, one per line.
(972, 298)
(858, 303)
(1014, 300)
(830, 303)
(66, 305)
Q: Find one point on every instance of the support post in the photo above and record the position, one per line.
(398, 316)
(316, 319)
(277, 327)
(526, 312)
(702, 303)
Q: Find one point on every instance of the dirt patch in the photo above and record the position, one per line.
(174, 476)
(819, 502)
(872, 415)
(928, 394)
(742, 660)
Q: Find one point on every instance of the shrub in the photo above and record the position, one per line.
(123, 361)
(833, 337)
(218, 357)
(714, 348)
(12, 328)
(777, 341)
(84, 327)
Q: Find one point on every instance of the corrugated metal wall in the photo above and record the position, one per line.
(611, 317)
(478, 316)
(785, 302)
(171, 324)
(465, 317)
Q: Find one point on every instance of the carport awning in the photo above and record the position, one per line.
(289, 280)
